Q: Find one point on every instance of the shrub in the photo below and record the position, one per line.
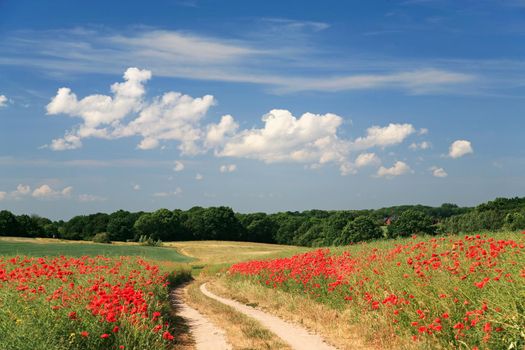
(102, 237)
(514, 221)
(148, 241)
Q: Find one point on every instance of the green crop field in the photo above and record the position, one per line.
(38, 249)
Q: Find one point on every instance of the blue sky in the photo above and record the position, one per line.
(261, 106)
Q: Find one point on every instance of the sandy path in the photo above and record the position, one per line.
(297, 337)
(206, 335)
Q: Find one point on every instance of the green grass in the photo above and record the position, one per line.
(91, 249)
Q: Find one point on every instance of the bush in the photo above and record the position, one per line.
(148, 241)
(102, 237)
(411, 222)
(514, 221)
(362, 228)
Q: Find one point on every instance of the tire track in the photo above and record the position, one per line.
(297, 337)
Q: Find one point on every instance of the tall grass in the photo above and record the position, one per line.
(86, 303)
(450, 292)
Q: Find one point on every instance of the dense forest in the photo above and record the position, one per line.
(307, 228)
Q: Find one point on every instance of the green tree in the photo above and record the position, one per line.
(162, 224)
(334, 225)
(258, 227)
(8, 224)
(120, 225)
(362, 228)
(309, 233)
(287, 225)
(27, 226)
(411, 222)
(74, 228)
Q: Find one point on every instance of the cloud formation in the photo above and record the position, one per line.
(422, 145)
(90, 198)
(20, 192)
(460, 148)
(227, 168)
(46, 191)
(3, 101)
(312, 139)
(399, 168)
(172, 116)
(263, 60)
(390, 135)
(367, 159)
(438, 172)
(174, 193)
(179, 166)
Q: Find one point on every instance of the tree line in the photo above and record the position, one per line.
(306, 228)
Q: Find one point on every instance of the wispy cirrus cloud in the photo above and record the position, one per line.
(256, 60)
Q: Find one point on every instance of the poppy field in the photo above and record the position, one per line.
(83, 303)
(439, 292)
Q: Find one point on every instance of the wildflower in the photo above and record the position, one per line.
(167, 335)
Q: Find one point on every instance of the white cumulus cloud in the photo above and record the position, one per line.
(459, 148)
(399, 168)
(199, 177)
(179, 166)
(423, 131)
(3, 101)
(422, 145)
(311, 138)
(172, 116)
(216, 133)
(21, 190)
(46, 191)
(365, 159)
(438, 172)
(227, 168)
(390, 135)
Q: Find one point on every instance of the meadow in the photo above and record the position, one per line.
(40, 247)
(445, 292)
(58, 294)
(431, 292)
(83, 303)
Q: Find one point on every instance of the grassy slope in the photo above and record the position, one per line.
(220, 252)
(50, 247)
(336, 326)
(242, 332)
